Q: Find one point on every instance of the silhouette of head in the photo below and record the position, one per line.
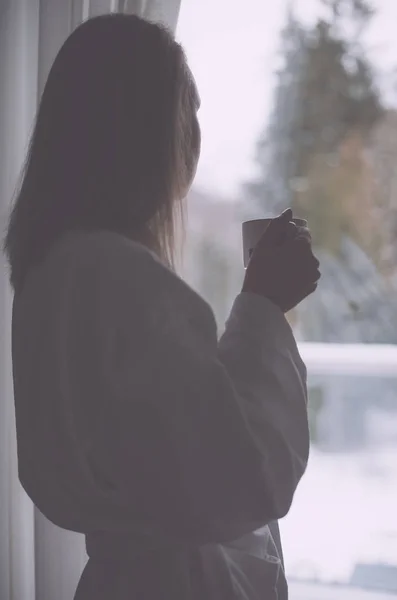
(115, 145)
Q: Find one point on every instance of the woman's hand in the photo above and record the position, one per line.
(282, 267)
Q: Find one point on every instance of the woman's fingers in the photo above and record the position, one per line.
(283, 267)
(304, 264)
(304, 232)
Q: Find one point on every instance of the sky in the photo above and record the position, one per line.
(232, 47)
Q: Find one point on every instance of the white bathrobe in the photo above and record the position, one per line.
(174, 453)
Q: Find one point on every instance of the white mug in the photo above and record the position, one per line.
(253, 231)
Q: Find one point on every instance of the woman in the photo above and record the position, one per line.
(168, 450)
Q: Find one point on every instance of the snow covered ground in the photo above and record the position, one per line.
(304, 591)
(344, 513)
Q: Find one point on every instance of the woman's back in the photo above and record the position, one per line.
(107, 425)
(65, 366)
(64, 394)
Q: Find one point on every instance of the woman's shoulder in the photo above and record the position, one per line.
(105, 254)
(103, 246)
(112, 260)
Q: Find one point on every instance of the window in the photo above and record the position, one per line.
(299, 109)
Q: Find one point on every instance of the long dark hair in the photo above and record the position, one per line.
(115, 142)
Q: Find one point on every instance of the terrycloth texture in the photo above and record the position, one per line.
(171, 451)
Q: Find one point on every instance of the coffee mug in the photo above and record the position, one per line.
(253, 231)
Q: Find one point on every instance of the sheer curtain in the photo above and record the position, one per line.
(38, 561)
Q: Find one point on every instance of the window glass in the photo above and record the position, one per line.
(299, 108)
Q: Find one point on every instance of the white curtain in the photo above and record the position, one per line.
(38, 561)
(165, 11)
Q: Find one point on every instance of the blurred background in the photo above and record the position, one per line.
(299, 109)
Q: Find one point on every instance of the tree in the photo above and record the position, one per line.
(313, 156)
(325, 88)
(383, 160)
(276, 152)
